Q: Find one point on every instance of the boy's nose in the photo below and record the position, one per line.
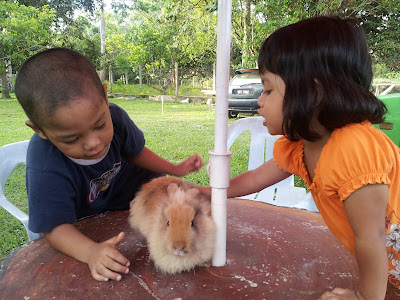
(91, 143)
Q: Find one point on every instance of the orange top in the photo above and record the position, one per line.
(355, 155)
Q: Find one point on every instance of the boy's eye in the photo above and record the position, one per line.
(72, 142)
(101, 126)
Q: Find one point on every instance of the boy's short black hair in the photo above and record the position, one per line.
(52, 79)
(327, 59)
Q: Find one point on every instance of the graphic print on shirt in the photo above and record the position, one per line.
(101, 184)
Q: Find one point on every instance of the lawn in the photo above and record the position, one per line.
(185, 128)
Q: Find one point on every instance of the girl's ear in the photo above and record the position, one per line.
(319, 90)
(30, 124)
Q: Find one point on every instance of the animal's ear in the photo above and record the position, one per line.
(204, 208)
(172, 188)
(192, 193)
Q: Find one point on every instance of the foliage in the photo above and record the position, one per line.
(382, 27)
(133, 89)
(81, 35)
(23, 30)
(64, 9)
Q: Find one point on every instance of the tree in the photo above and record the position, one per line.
(81, 35)
(24, 30)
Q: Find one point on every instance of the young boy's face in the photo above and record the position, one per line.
(82, 129)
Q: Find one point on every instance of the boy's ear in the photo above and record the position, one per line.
(30, 124)
(105, 91)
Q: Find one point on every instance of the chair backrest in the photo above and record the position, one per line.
(10, 156)
(283, 193)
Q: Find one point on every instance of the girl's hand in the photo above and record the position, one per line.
(106, 262)
(191, 164)
(340, 294)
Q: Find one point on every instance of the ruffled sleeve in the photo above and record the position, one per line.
(355, 155)
(288, 155)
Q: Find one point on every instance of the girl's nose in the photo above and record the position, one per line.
(260, 99)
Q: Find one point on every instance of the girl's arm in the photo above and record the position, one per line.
(256, 180)
(104, 261)
(252, 181)
(151, 161)
(365, 209)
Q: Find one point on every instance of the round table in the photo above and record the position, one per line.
(272, 253)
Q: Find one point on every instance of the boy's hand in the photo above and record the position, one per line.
(106, 262)
(340, 294)
(192, 164)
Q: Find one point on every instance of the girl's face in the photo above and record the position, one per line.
(83, 129)
(271, 102)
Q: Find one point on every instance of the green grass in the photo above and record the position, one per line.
(184, 129)
(134, 89)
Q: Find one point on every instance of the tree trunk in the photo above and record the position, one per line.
(176, 80)
(126, 78)
(110, 79)
(214, 75)
(140, 77)
(247, 34)
(5, 90)
(102, 42)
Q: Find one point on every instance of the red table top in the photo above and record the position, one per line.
(272, 253)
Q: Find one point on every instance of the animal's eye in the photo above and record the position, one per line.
(167, 223)
(192, 224)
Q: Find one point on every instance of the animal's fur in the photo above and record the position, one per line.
(176, 220)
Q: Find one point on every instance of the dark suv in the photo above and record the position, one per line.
(244, 90)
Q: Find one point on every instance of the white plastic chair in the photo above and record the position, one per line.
(10, 156)
(283, 193)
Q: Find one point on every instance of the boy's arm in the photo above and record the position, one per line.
(365, 209)
(151, 161)
(104, 261)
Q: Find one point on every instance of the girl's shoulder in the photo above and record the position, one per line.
(355, 155)
(360, 138)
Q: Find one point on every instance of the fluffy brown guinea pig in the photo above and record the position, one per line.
(175, 218)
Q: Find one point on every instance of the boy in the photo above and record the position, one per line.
(87, 156)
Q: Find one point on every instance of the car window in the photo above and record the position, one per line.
(246, 78)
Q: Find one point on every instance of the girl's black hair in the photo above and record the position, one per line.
(52, 79)
(326, 67)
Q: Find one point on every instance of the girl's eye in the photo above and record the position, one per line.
(192, 224)
(167, 223)
(266, 92)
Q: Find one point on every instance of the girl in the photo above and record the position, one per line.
(317, 75)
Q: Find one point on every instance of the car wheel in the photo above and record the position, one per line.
(232, 114)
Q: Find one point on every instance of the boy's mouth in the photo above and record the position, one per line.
(99, 154)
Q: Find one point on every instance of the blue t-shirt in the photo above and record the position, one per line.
(61, 191)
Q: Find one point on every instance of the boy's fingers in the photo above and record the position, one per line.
(116, 257)
(339, 291)
(98, 277)
(114, 241)
(107, 274)
(116, 266)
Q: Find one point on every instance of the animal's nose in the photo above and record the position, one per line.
(181, 245)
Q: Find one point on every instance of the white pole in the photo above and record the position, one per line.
(220, 157)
